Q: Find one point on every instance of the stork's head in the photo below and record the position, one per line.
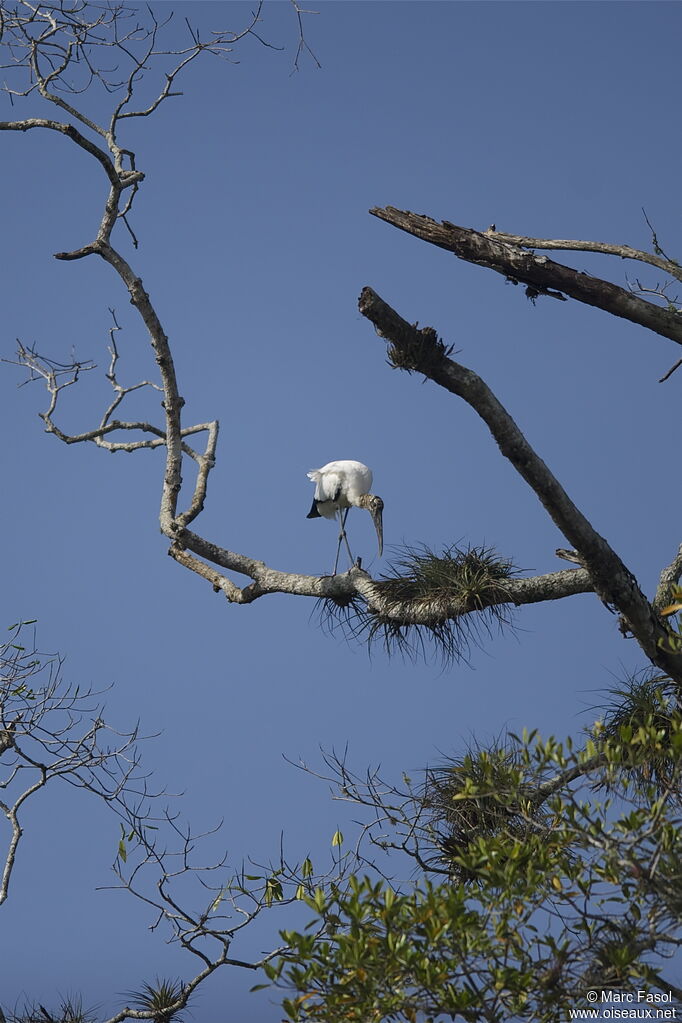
(375, 506)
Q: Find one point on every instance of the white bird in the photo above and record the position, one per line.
(340, 486)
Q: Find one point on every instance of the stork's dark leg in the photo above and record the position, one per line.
(350, 553)
(342, 536)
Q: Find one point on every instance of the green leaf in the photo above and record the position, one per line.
(319, 900)
(218, 899)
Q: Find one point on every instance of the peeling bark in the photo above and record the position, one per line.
(540, 274)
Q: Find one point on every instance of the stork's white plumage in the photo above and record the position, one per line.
(340, 486)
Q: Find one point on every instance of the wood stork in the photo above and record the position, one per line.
(340, 486)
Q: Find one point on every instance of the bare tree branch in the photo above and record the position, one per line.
(540, 274)
(75, 135)
(303, 46)
(669, 266)
(421, 351)
(51, 730)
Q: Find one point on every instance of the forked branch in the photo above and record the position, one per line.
(50, 730)
(506, 255)
(668, 266)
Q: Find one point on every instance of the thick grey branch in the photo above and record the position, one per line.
(173, 402)
(539, 273)
(552, 586)
(265, 579)
(356, 582)
(533, 590)
(421, 351)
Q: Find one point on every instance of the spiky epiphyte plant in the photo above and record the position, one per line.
(481, 794)
(70, 1010)
(452, 599)
(159, 998)
(615, 948)
(417, 354)
(644, 721)
(455, 582)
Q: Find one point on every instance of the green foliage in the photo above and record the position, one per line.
(673, 642)
(477, 796)
(546, 892)
(642, 725)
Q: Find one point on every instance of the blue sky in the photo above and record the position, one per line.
(549, 119)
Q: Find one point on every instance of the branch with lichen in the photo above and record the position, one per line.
(450, 601)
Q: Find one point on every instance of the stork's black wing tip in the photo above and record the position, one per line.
(313, 513)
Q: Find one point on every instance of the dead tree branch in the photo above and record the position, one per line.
(540, 274)
(668, 266)
(421, 351)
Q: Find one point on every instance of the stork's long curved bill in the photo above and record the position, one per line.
(379, 526)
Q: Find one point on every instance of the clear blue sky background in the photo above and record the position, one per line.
(549, 119)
